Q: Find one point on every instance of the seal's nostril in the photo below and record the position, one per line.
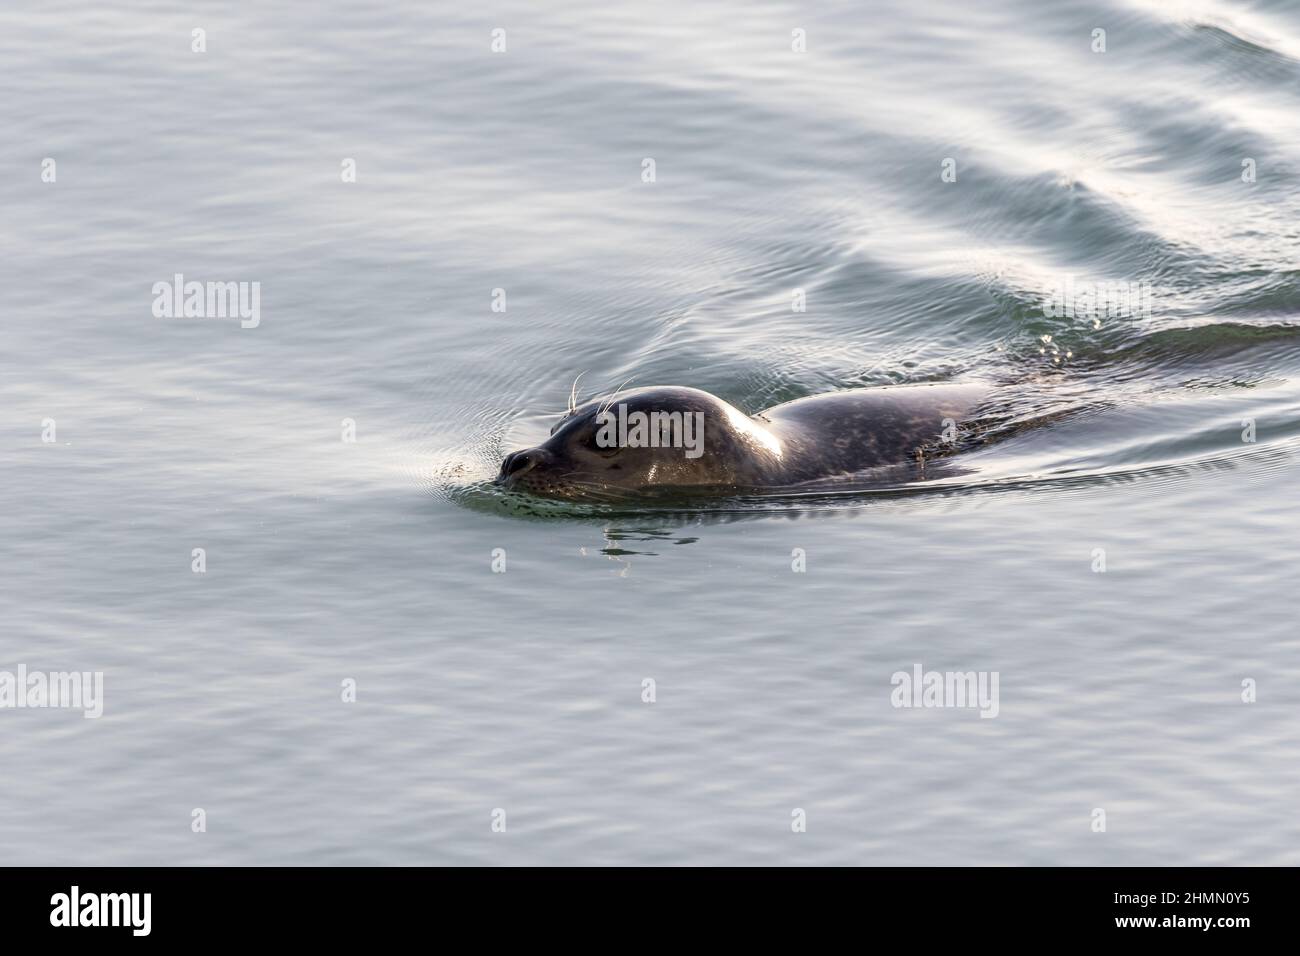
(517, 462)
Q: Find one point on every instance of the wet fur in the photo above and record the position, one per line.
(821, 439)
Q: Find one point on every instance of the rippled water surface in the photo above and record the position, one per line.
(1170, 161)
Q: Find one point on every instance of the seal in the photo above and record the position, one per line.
(685, 441)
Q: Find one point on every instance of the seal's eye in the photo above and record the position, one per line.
(592, 443)
(564, 420)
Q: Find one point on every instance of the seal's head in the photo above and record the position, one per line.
(646, 440)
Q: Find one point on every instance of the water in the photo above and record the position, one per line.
(371, 561)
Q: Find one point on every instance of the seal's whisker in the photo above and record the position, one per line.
(592, 489)
(573, 393)
(613, 398)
